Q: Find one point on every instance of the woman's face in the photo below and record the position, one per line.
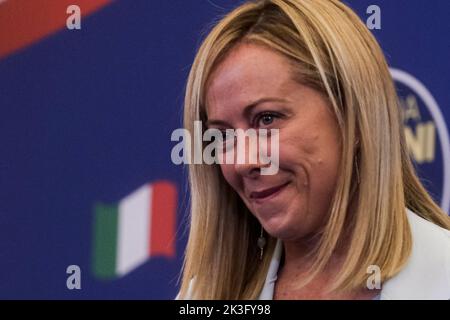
(293, 203)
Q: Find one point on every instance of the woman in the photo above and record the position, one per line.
(345, 217)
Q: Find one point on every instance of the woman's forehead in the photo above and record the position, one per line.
(248, 73)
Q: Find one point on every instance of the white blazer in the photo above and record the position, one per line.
(425, 276)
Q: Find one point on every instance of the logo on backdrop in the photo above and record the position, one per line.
(139, 227)
(427, 136)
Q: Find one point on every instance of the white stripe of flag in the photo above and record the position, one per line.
(134, 230)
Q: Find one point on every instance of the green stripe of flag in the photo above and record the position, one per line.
(105, 241)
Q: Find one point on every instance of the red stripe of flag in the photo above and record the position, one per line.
(162, 219)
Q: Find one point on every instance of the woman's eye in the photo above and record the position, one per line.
(265, 119)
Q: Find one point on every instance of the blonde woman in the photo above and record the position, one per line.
(345, 217)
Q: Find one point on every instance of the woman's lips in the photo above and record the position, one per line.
(267, 193)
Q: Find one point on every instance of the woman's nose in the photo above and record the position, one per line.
(247, 160)
(248, 170)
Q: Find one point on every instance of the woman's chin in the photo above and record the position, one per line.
(282, 228)
(278, 227)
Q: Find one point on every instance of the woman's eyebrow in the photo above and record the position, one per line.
(247, 110)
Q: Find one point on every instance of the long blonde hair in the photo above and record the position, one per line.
(334, 53)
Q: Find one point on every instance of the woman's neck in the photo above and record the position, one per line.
(295, 266)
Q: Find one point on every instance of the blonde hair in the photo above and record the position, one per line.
(334, 53)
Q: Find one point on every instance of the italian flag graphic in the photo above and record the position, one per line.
(141, 226)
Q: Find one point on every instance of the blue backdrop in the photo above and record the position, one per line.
(86, 117)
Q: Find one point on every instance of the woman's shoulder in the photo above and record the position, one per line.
(423, 227)
(426, 275)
